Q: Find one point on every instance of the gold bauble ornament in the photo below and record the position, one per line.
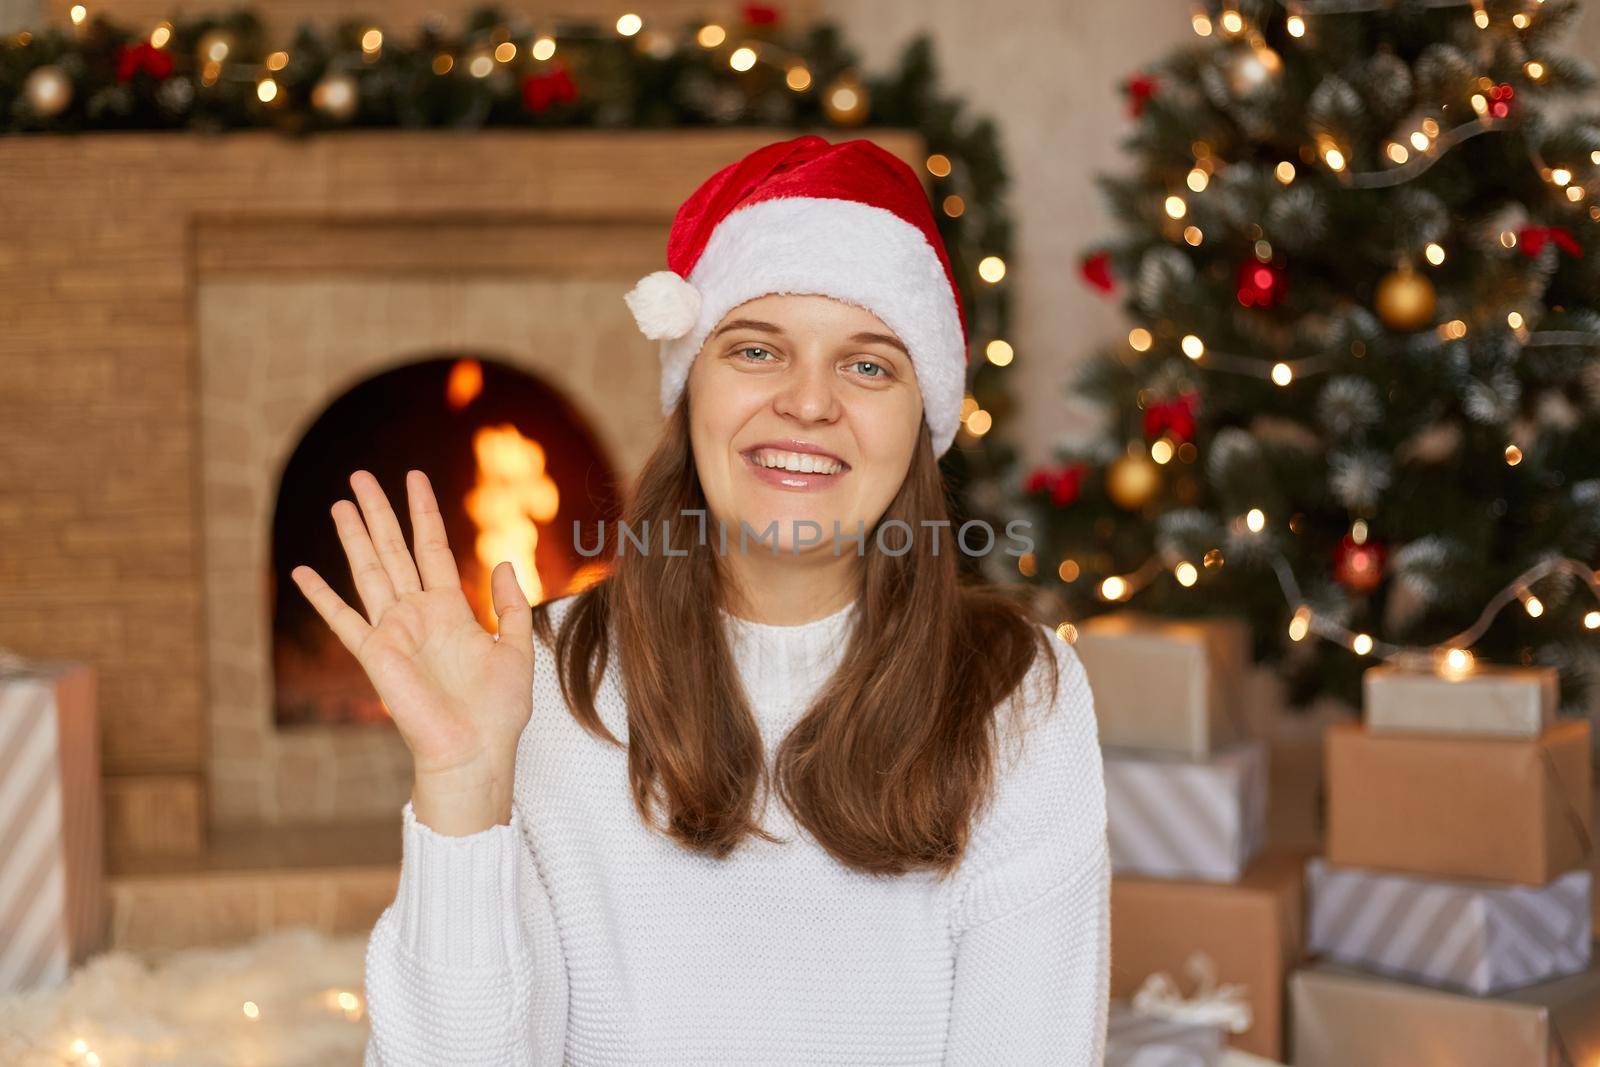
(1404, 299)
(845, 101)
(335, 96)
(47, 90)
(1132, 480)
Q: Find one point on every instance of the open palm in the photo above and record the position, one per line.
(459, 696)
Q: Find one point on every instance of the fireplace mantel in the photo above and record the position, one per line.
(147, 277)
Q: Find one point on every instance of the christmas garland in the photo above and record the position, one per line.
(218, 72)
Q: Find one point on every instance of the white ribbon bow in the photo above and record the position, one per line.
(1211, 1004)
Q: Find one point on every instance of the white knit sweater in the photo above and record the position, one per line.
(577, 935)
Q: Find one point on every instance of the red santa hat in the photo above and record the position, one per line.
(846, 220)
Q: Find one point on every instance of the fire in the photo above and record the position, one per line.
(464, 384)
(512, 495)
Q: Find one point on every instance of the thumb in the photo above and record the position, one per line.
(510, 605)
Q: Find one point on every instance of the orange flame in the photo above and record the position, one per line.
(513, 494)
(464, 384)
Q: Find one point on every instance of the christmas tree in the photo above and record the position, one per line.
(1359, 402)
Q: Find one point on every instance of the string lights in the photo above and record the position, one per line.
(1451, 655)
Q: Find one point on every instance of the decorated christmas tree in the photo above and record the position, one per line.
(1359, 399)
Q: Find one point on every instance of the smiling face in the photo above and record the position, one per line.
(802, 407)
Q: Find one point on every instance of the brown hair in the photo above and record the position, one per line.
(893, 760)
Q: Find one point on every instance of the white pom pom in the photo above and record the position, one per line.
(664, 305)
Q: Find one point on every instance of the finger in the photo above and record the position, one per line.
(434, 558)
(345, 622)
(386, 535)
(372, 581)
(516, 615)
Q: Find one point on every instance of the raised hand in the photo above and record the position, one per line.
(459, 696)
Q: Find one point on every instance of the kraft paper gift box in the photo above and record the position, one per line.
(1343, 1018)
(1477, 937)
(1491, 700)
(1176, 818)
(1175, 685)
(1252, 931)
(1500, 810)
(1137, 1039)
(52, 906)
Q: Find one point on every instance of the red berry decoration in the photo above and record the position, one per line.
(1174, 417)
(1061, 482)
(1532, 239)
(1261, 285)
(1140, 88)
(1500, 100)
(143, 57)
(1358, 566)
(543, 91)
(1096, 270)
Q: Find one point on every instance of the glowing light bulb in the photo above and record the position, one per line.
(1186, 573)
(1361, 644)
(1300, 625)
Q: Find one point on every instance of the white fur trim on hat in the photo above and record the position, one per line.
(851, 251)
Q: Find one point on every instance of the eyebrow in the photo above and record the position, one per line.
(864, 337)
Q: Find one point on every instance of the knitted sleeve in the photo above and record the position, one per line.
(1032, 901)
(465, 967)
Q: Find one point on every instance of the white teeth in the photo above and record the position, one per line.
(799, 462)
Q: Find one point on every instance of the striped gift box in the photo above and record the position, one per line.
(51, 893)
(1175, 818)
(1138, 1039)
(1478, 937)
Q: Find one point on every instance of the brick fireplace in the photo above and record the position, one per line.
(182, 311)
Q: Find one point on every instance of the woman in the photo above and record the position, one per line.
(601, 875)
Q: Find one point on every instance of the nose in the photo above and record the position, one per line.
(808, 392)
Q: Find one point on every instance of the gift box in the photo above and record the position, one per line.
(1170, 817)
(1460, 807)
(1251, 930)
(52, 905)
(1139, 1039)
(1478, 937)
(1175, 685)
(1343, 1018)
(1490, 700)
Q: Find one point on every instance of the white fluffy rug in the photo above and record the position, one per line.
(291, 998)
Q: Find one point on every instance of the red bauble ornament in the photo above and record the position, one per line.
(760, 15)
(1139, 89)
(1358, 566)
(1174, 417)
(1096, 270)
(544, 90)
(1261, 285)
(1062, 482)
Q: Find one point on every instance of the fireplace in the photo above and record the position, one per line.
(513, 467)
(199, 364)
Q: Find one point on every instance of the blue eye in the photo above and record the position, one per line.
(883, 371)
(753, 348)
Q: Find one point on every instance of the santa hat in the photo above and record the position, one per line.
(844, 220)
